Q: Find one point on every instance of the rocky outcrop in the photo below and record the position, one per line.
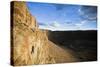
(29, 45)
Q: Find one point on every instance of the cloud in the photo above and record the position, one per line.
(88, 12)
(55, 24)
(83, 22)
(79, 25)
(58, 26)
(80, 11)
(91, 17)
(50, 26)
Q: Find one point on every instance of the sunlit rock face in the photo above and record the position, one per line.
(29, 45)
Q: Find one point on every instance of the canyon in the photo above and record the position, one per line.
(29, 44)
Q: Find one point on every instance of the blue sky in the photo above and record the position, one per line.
(64, 16)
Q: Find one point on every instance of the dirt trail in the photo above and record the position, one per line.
(59, 54)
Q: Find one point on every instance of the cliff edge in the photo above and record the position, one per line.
(29, 44)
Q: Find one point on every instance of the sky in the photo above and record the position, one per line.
(64, 17)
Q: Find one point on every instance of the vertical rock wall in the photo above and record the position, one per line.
(24, 34)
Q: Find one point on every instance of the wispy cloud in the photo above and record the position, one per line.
(64, 16)
(81, 23)
(88, 12)
(55, 24)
